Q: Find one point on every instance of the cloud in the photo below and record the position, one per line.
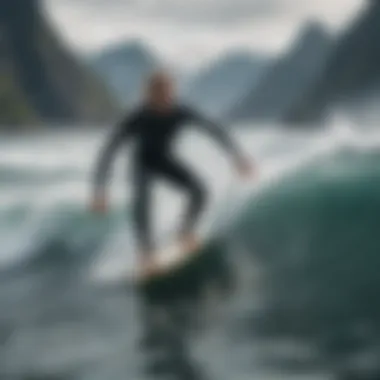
(184, 11)
(188, 31)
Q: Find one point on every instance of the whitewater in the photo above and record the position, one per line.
(302, 240)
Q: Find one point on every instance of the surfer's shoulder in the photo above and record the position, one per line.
(185, 111)
(136, 114)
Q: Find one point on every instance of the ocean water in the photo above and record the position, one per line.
(301, 246)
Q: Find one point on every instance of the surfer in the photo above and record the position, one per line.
(154, 126)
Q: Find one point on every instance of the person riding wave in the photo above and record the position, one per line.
(154, 125)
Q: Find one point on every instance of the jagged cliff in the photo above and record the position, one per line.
(223, 83)
(352, 72)
(14, 107)
(39, 78)
(288, 79)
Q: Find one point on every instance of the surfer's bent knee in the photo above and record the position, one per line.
(202, 195)
(199, 195)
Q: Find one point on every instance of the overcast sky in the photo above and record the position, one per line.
(190, 31)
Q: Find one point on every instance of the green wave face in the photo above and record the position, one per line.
(316, 234)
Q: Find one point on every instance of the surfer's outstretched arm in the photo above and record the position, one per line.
(123, 132)
(221, 135)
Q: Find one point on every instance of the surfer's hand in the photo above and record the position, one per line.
(99, 204)
(245, 168)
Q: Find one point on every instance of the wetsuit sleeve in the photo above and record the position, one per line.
(215, 130)
(124, 131)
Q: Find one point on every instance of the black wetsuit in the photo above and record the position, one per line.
(154, 133)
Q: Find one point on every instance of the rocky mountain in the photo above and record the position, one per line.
(124, 67)
(225, 81)
(39, 77)
(288, 79)
(352, 73)
(14, 107)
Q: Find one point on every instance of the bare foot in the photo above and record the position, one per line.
(190, 243)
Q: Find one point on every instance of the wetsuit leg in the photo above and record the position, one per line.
(182, 177)
(142, 207)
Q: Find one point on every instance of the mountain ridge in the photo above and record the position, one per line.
(288, 78)
(124, 67)
(52, 82)
(222, 83)
(352, 72)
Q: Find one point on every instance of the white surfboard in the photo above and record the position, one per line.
(170, 258)
(115, 269)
